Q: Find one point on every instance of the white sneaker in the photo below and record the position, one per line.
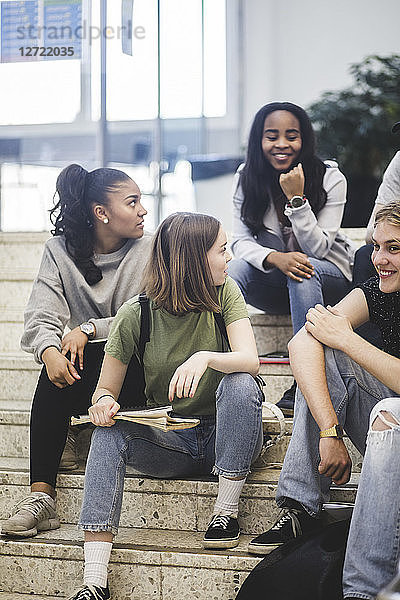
(36, 512)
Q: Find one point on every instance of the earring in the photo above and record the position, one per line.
(105, 221)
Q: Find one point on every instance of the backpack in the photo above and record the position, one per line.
(306, 568)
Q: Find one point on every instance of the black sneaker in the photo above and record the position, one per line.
(286, 403)
(292, 523)
(91, 592)
(223, 532)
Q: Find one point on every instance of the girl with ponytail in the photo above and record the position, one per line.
(90, 267)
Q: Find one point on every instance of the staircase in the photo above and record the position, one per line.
(158, 553)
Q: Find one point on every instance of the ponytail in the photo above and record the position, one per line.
(78, 190)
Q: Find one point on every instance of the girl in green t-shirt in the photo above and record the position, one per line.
(184, 362)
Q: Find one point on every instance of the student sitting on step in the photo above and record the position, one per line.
(185, 362)
(89, 268)
(347, 383)
(287, 209)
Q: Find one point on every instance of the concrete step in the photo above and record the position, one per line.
(16, 596)
(20, 255)
(184, 504)
(145, 564)
(22, 251)
(25, 249)
(272, 332)
(19, 373)
(14, 436)
(14, 296)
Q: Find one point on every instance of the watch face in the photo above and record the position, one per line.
(297, 202)
(87, 328)
(339, 431)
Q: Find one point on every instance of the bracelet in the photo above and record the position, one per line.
(104, 396)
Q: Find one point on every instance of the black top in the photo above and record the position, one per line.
(384, 310)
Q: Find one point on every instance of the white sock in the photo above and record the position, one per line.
(229, 491)
(97, 556)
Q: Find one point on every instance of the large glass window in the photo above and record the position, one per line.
(192, 60)
(159, 99)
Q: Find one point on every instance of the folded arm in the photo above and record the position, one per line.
(243, 358)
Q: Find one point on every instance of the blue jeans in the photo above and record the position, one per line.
(277, 294)
(225, 445)
(373, 546)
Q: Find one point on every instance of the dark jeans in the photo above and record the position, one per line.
(52, 407)
(363, 270)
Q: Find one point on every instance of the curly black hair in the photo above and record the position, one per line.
(78, 190)
(260, 181)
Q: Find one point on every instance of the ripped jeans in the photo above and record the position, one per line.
(357, 398)
(225, 445)
(373, 546)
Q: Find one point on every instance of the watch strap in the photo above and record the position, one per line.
(335, 431)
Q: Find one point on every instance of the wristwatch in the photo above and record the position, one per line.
(336, 431)
(89, 329)
(296, 202)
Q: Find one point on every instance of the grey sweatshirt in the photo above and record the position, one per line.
(318, 237)
(61, 297)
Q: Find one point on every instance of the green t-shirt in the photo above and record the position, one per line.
(173, 339)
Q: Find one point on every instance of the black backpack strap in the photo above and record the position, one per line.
(144, 336)
(222, 328)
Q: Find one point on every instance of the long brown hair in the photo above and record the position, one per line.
(177, 276)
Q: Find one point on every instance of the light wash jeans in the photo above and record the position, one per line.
(225, 445)
(373, 547)
(277, 294)
(357, 397)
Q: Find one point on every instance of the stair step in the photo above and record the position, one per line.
(19, 372)
(14, 294)
(16, 596)
(184, 504)
(20, 251)
(145, 564)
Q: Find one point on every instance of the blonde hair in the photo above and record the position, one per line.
(177, 276)
(389, 213)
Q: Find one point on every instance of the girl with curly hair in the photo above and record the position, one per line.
(91, 265)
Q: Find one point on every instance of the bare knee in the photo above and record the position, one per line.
(383, 421)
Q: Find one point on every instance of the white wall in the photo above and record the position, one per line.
(296, 49)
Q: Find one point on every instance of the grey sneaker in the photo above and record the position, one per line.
(68, 460)
(34, 513)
